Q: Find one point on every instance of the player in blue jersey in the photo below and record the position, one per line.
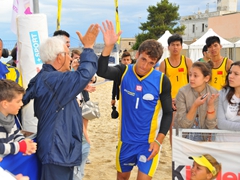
(145, 108)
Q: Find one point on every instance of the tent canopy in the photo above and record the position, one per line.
(164, 40)
(237, 44)
(202, 41)
(195, 49)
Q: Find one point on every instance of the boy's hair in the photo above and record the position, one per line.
(204, 49)
(14, 53)
(152, 48)
(75, 51)
(61, 33)
(173, 38)
(9, 89)
(211, 40)
(204, 67)
(125, 54)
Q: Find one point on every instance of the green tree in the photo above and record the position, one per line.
(162, 17)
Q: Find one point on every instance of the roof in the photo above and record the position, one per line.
(202, 41)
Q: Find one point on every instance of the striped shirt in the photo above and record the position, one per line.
(9, 141)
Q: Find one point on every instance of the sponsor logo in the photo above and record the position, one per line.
(35, 41)
(143, 158)
(219, 73)
(129, 164)
(138, 88)
(130, 93)
(176, 173)
(180, 69)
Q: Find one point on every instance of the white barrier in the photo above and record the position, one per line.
(226, 153)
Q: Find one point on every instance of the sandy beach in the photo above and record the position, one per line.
(103, 135)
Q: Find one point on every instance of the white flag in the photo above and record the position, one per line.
(20, 7)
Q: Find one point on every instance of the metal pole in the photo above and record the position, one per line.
(35, 6)
(138, 23)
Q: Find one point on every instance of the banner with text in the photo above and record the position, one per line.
(32, 30)
(226, 153)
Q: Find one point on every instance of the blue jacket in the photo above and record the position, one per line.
(59, 134)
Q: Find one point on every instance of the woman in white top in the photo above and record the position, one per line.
(229, 105)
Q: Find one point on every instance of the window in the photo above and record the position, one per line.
(202, 27)
(193, 28)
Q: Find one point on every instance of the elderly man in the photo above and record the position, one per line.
(54, 90)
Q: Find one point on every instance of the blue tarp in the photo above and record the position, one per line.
(20, 164)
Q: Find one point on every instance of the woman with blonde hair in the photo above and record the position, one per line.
(205, 167)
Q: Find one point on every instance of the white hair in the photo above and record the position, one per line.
(50, 48)
(63, 38)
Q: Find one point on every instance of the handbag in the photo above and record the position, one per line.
(90, 110)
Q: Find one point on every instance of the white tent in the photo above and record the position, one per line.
(237, 44)
(163, 40)
(195, 49)
(236, 50)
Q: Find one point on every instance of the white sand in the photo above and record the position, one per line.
(103, 135)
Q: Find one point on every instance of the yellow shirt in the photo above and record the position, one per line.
(178, 76)
(219, 75)
(13, 74)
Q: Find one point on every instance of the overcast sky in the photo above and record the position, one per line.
(79, 14)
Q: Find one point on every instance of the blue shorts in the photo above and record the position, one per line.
(130, 155)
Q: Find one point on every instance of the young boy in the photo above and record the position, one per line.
(176, 67)
(11, 139)
(221, 64)
(125, 59)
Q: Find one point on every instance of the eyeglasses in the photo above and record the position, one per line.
(65, 53)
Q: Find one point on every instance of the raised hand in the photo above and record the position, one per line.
(212, 99)
(109, 35)
(90, 37)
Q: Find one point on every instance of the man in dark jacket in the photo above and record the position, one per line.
(54, 90)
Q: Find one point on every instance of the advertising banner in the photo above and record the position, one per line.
(226, 153)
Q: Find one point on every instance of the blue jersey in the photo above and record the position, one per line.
(140, 108)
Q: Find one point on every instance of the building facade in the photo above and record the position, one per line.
(198, 23)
